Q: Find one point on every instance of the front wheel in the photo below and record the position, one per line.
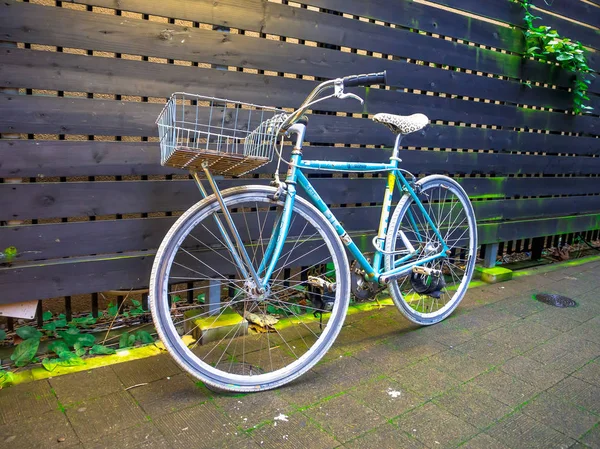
(216, 324)
(428, 299)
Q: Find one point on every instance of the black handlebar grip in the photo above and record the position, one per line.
(365, 80)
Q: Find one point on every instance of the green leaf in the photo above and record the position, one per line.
(25, 351)
(2, 334)
(9, 253)
(201, 297)
(85, 321)
(72, 338)
(58, 347)
(533, 50)
(144, 337)
(50, 364)
(131, 340)
(6, 378)
(175, 299)
(113, 309)
(564, 57)
(124, 340)
(136, 303)
(26, 332)
(100, 350)
(47, 315)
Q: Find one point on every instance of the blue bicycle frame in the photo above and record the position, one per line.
(374, 272)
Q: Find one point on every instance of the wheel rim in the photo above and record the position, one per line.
(232, 341)
(451, 212)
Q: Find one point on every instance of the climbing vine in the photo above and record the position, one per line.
(546, 44)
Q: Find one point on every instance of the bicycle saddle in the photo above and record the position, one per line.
(402, 124)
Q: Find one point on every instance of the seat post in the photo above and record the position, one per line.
(397, 148)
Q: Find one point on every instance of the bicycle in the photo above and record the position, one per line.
(274, 263)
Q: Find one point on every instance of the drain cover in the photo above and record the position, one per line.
(555, 300)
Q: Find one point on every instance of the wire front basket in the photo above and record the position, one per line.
(232, 137)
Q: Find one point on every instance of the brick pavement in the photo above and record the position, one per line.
(504, 371)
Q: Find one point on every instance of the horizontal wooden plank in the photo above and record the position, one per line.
(49, 279)
(279, 19)
(51, 241)
(62, 115)
(29, 23)
(513, 14)
(49, 158)
(68, 72)
(77, 199)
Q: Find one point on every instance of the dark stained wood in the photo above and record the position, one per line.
(39, 158)
(26, 22)
(278, 19)
(77, 199)
(62, 115)
(125, 271)
(62, 71)
(68, 258)
(513, 13)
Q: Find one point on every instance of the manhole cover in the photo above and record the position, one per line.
(555, 300)
(235, 368)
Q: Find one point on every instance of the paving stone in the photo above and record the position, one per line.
(86, 385)
(297, 432)
(458, 364)
(435, 427)
(488, 352)
(344, 417)
(169, 395)
(107, 414)
(449, 334)
(345, 372)
(146, 370)
(555, 318)
(140, 436)
(522, 336)
(473, 405)
(416, 346)
(565, 353)
(308, 389)
(589, 373)
(592, 437)
(26, 400)
(482, 441)
(383, 358)
(376, 325)
(249, 410)
(590, 330)
(387, 436)
(42, 431)
(386, 396)
(523, 306)
(425, 379)
(506, 388)
(198, 427)
(560, 415)
(522, 431)
(532, 372)
(579, 393)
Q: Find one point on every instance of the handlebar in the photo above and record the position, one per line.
(338, 84)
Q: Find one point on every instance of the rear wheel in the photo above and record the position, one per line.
(428, 299)
(227, 334)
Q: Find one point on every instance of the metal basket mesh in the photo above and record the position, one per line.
(232, 137)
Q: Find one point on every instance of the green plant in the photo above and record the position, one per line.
(8, 254)
(546, 44)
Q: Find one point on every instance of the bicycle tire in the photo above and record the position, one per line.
(253, 378)
(421, 308)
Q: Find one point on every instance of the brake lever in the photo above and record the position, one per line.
(353, 96)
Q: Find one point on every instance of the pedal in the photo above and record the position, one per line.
(321, 283)
(426, 271)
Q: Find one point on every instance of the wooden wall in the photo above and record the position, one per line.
(86, 202)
